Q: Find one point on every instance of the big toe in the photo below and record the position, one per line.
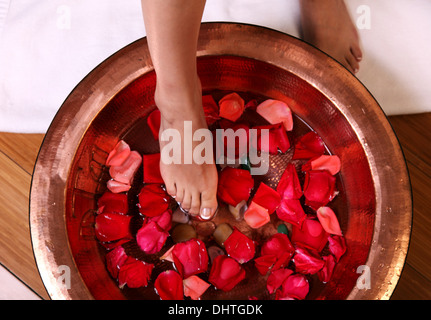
(208, 205)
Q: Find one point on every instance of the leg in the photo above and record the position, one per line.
(172, 30)
(328, 25)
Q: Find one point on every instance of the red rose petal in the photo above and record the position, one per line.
(325, 274)
(256, 216)
(278, 245)
(151, 238)
(290, 210)
(289, 186)
(112, 226)
(332, 164)
(225, 273)
(190, 257)
(308, 146)
(169, 285)
(153, 122)
(319, 188)
(329, 221)
(164, 220)
(276, 111)
(210, 109)
(239, 246)
(234, 185)
(267, 197)
(151, 168)
(310, 235)
(119, 154)
(274, 134)
(276, 279)
(295, 286)
(337, 246)
(126, 171)
(134, 273)
(307, 261)
(113, 203)
(195, 287)
(114, 260)
(264, 263)
(231, 107)
(153, 200)
(117, 187)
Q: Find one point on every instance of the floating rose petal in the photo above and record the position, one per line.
(337, 246)
(134, 273)
(114, 260)
(239, 246)
(256, 216)
(332, 164)
(307, 261)
(264, 263)
(169, 285)
(112, 226)
(119, 154)
(195, 287)
(252, 104)
(225, 273)
(163, 220)
(329, 221)
(168, 255)
(190, 257)
(234, 185)
(113, 203)
(289, 186)
(276, 279)
(210, 109)
(325, 274)
(310, 235)
(231, 106)
(151, 168)
(113, 244)
(278, 250)
(276, 111)
(308, 146)
(267, 197)
(153, 122)
(153, 200)
(126, 171)
(290, 210)
(117, 187)
(295, 286)
(319, 188)
(151, 238)
(270, 138)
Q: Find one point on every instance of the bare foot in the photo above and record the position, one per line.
(328, 25)
(194, 186)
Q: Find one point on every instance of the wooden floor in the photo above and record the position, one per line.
(18, 154)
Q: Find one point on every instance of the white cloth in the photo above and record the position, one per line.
(48, 46)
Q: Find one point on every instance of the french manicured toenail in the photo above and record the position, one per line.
(206, 213)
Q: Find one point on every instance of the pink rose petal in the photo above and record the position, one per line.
(329, 221)
(126, 171)
(119, 154)
(332, 164)
(151, 238)
(276, 111)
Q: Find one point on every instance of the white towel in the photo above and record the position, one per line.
(47, 47)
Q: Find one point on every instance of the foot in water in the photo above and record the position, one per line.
(194, 186)
(328, 25)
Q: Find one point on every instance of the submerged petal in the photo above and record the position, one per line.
(329, 221)
(308, 146)
(231, 106)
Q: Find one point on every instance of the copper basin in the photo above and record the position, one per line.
(108, 104)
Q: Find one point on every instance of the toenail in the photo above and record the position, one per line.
(206, 213)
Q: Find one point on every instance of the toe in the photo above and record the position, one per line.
(186, 204)
(208, 205)
(353, 63)
(179, 196)
(171, 189)
(356, 51)
(195, 204)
